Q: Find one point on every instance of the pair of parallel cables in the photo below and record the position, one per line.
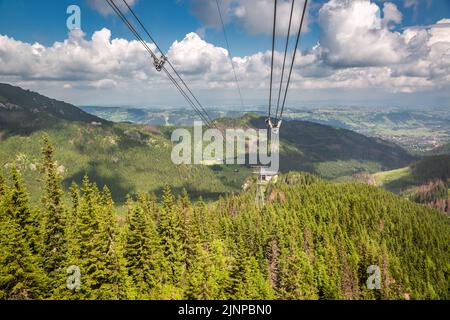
(159, 63)
(280, 107)
(181, 85)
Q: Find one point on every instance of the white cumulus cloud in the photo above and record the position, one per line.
(391, 14)
(75, 59)
(357, 53)
(353, 35)
(255, 17)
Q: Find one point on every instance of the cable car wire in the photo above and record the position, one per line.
(183, 93)
(229, 54)
(139, 38)
(273, 52)
(131, 27)
(200, 106)
(133, 30)
(293, 58)
(206, 116)
(284, 60)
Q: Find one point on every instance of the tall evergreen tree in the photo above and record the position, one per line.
(88, 252)
(17, 207)
(297, 275)
(243, 274)
(142, 251)
(72, 221)
(20, 274)
(54, 244)
(2, 186)
(195, 255)
(190, 236)
(111, 273)
(170, 233)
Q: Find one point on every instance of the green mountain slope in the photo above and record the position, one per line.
(124, 156)
(432, 168)
(131, 157)
(128, 158)
(396, 180)
(426, 181)
(313, 240)
(428, 169)
(328, 151)
(23, 111)
(334, 231)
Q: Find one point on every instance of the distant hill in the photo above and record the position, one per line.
(328, 151)
(445, 149)
(157, 115)
(24, 111)
(417, 131)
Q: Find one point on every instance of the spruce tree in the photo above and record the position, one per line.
(2, 186)
(109, 277)
(71, 225)
(142, 251)
(20, 274)
(241, 283)
(3, 191)
(54, 244)
(207, 275)
(297, 275)
(170, 233)
(217, 271)
(189, 231)
(195, 256)
(17, 207)
(72, 219)
(87, 253)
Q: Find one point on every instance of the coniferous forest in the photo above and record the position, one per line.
(312, 240)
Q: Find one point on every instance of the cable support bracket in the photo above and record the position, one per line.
(274, 124)
(159, 63)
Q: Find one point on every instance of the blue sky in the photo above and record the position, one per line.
(44, 22)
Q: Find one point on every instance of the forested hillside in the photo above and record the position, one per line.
(313, 240)
(131, 158)
(328, 151)
(426, 181)
(445, 149)
(128, 158)
(431, 168)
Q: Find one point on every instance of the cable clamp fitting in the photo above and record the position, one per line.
(159, 63)
(274, 127)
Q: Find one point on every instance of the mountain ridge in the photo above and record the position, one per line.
(24, 111)
(131, 157)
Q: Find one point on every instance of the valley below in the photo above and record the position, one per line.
(420, 131)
